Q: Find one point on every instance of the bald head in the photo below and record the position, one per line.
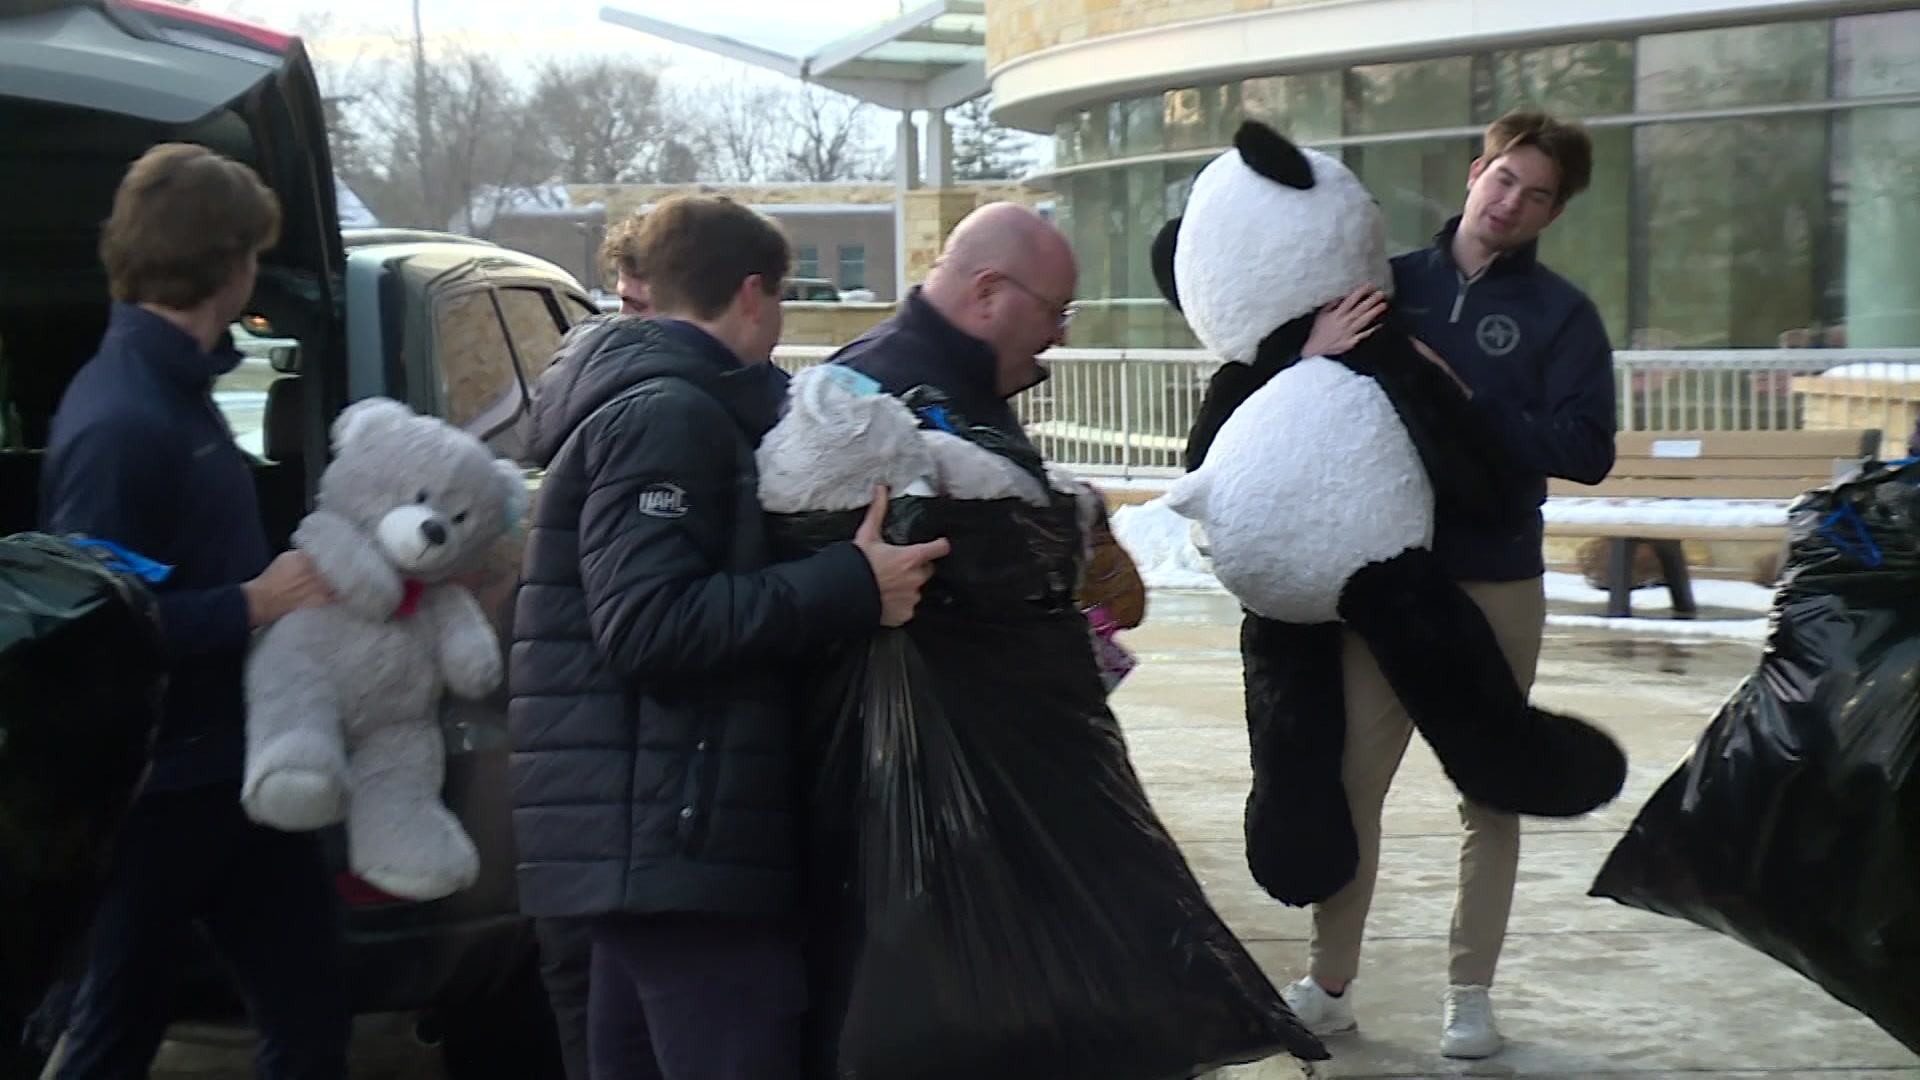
(1002, 236)
(1006, 277)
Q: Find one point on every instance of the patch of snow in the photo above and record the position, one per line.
(1161, 544)
(1156, 484)
(1703, 513)
(1883, 372)
(1694, 629)
(1708, 593)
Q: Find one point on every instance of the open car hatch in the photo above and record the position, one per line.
(93, 83)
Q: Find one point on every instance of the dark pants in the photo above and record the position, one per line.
(696, 997)
(265, 901)
(566, 959)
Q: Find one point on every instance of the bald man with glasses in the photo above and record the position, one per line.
(999, 296)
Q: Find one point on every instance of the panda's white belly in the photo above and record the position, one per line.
(1310, 479)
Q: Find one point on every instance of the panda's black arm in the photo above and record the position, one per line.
(1235, 383)
(1457, 444)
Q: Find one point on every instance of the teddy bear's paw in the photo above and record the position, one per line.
(297, 800)
(435, 868)
(473, 665)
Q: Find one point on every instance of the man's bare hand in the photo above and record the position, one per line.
(900, 571)
(1346, 322)
(288, 584)
(1434, 357)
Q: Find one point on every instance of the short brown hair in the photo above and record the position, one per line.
(695, 250)
(616, 248)
(183, 221)
(1565, 144)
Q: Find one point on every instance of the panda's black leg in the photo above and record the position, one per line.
(1300, 840)
(1440, 655)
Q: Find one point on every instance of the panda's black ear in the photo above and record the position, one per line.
(1163, 244)
(1270, 154)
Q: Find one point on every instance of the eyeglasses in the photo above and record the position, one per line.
(1065, 309)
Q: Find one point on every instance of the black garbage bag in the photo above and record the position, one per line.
(1794, 824)
(82, 673)
(992, 894)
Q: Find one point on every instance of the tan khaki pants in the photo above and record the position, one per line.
(1377, 734)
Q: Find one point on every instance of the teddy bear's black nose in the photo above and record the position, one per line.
(435, 532)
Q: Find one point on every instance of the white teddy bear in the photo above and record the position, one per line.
(841, 435)
(343, 700)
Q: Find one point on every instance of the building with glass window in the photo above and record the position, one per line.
(1757, 162)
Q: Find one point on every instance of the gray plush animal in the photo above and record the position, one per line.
(841, 436)
(343, 700)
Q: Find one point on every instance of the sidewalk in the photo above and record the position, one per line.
(1588, 988)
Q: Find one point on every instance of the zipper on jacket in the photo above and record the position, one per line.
(1460, 294)
(1467, 281)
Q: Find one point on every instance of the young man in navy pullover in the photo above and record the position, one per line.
(140, 455)
(1531, 350)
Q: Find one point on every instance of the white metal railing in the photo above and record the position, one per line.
(1126, 412)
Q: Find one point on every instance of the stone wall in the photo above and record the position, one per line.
(1018, 27)
(621, 200)
(829, 324)
(931, 214)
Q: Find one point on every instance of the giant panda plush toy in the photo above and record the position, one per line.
(1315, 480)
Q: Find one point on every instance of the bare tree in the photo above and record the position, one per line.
(483, 147)
(831, 137)
(740, 127)
(748, 130)
(606, 121)
(493, 147)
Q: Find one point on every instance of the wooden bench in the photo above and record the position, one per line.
(1667, 487)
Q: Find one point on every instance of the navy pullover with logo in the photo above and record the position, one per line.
(1535, 352)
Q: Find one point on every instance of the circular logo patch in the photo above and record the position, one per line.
(1498, 335)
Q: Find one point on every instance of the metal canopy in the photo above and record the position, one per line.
(932, 57)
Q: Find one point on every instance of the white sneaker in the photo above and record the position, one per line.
(1470, 1033)
(1321, 1012)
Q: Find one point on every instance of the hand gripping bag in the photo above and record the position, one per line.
(991, 893)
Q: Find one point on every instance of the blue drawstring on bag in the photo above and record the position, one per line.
(124, 560)
(1861, 547)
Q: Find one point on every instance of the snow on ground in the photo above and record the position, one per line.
(1754, 630)
(1161, 544)
(1890, 372)
(1703, 513)
(1707, 593)
(1162, 547)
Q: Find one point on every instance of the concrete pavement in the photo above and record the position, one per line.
(1587, 988)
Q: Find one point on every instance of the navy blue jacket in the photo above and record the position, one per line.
(919, 347)
(1535, 352)
(140, 455)
(655, 765)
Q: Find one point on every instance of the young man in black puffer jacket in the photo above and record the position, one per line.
(654, 770)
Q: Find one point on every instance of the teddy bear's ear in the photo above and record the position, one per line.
(366, 416)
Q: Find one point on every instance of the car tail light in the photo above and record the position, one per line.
(358, 893)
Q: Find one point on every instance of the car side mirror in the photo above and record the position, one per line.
(285, 358)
